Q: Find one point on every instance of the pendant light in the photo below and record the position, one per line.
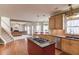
(70, 10)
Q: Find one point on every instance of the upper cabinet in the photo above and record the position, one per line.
(51, 23)
(56, 22)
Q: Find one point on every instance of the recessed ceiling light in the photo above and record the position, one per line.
(37, 15)
(44, 15)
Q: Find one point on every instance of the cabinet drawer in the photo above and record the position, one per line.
(75, 42)
(66, 42)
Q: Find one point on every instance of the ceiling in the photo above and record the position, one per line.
(31, 12)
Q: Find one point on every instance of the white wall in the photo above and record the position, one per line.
(19, 25)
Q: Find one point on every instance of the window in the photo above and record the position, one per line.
(38, 28)
(32, 29)
(27, 28)
(45, 28)
(72, 26)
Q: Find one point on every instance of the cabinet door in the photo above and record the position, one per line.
(75, 47)
(66, 45)
(51, 23)
(58, 22)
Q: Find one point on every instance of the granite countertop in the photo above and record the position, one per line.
(42, 44)
(71, 37)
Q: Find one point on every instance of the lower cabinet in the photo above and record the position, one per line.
(70, 46)
(65, 45)
(75, 47)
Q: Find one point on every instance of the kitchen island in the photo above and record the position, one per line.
(40, 46)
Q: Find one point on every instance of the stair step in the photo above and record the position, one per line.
(7, 37)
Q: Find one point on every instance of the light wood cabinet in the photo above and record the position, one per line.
(66, 45)
(75, 47)
(70, 46)
(56, 22)
(51, 22)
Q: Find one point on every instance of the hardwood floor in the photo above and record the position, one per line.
(59, 52)
(19, 47)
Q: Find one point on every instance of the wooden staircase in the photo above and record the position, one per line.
(6, 37)
(5, 34)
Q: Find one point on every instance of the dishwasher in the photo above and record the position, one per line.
(58, 42)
